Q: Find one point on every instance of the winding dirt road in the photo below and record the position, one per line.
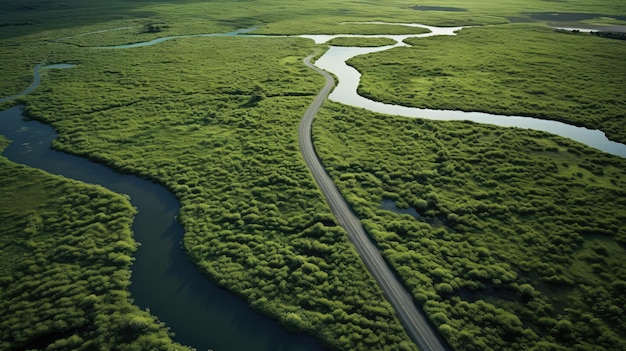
(416, 325)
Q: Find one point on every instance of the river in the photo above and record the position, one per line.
(334, 61)
(199, 312)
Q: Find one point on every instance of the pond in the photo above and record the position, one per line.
(568, 16)
(390, 205)
(438, 8)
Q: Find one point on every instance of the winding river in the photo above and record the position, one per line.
(334, 61)
(200, 313)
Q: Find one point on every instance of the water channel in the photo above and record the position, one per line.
(334, 61)
(200, 313)
(36, 80)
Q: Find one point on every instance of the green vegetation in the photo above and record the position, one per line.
(521, 234)
(339, 27)
(64, 269)
(220, 131)
(361, 42)
(605, 21)
(513, 70)
(29, 30)
(521, 238)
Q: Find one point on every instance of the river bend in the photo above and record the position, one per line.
(199, 312)
(334, 61)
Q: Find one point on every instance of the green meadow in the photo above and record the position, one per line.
(360, 42)
(521, 235)
(225, 142)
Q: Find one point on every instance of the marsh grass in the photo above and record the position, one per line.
(511, 70)
(27, 28)
(520, 240)
(215, 119)
(220, 131)
(361, 42)
(65, 266)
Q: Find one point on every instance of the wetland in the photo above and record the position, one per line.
(527, 228)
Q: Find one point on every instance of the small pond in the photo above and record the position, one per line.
(390, 205)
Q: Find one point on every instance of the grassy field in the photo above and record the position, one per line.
(515, 69)
(360, 42)
(520, 239)
(26, 27)
(215, 119)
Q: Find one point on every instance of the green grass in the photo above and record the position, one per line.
(65, 267)
(521, 238)
(361, 42)
(512, 70)
(41, 19)
(27, 27)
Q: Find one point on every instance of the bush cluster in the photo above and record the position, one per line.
(65, 267)
(220, 131)
(521, 235)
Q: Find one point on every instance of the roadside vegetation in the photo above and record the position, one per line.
(361, 42)
(521, 235)
(65, 267)
(516, 69)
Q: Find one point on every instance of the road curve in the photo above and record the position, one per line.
(416, 325)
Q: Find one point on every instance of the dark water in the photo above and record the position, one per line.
(201, 314)
(571, 21)
(388, 204)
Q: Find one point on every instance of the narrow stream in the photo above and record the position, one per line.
(334, 61)
(36, 80)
